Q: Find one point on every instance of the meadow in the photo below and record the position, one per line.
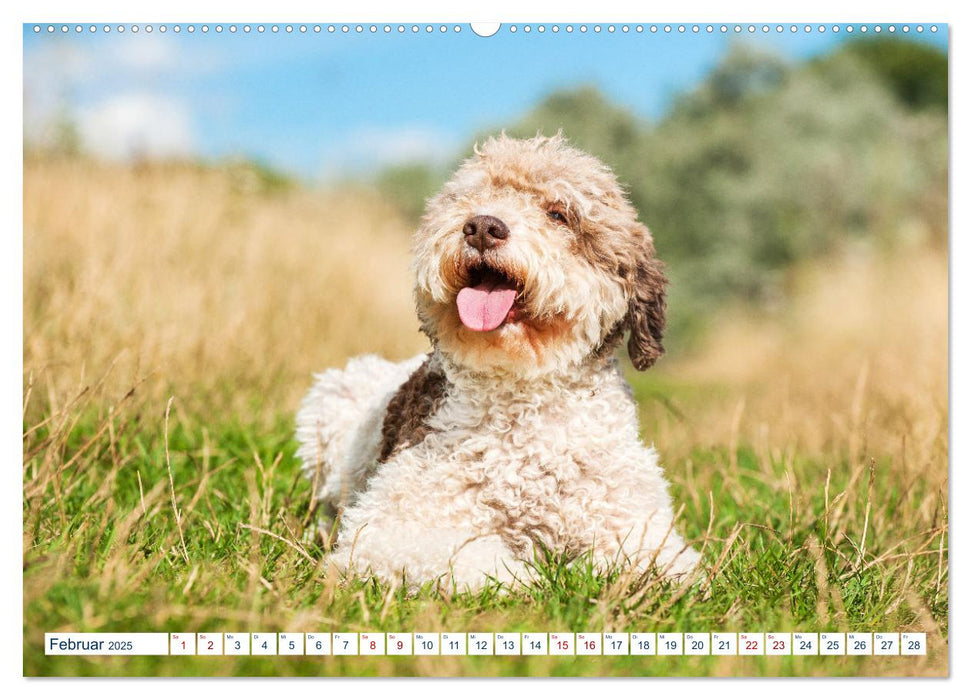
(174, 315)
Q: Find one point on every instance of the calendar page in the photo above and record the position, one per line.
(515, 349)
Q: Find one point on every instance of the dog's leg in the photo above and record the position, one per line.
(636, 528)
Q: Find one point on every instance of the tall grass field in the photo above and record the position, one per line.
(174, 315)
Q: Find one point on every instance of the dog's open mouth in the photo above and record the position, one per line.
(488, 300)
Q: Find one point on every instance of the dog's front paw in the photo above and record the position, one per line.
(678, 563)
(482, 559)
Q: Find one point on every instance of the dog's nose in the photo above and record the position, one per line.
(484, 232)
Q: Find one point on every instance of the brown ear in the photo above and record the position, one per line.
(646, 312)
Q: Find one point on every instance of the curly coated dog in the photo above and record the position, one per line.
(518, 429)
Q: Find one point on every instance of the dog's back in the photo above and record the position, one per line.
(339, 425)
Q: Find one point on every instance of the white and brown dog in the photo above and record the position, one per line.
(518, 429)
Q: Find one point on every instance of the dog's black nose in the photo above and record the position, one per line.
(484, 232)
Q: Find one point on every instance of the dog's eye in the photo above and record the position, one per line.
(557, 214)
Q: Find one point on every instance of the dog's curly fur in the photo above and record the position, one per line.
(455, 466)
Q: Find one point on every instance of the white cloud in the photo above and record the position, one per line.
(369, 149)
(137, 125)
(144, 54)
(65, 76)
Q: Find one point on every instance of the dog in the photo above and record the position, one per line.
(517, 432)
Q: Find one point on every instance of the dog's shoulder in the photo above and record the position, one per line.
(405, 420)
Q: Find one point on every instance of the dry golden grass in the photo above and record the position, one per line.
(858, 357)
(197, 278)
(809, 446)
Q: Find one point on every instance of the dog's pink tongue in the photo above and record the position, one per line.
(485, 306)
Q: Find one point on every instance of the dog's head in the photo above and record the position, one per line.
(532, 260)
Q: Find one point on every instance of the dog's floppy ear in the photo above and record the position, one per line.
(646, 310)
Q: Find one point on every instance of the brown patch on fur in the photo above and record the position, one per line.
(605, 350)
(646, 315)
(628, 254)
(540, 335)
(417, 399)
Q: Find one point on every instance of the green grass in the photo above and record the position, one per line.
(791, 542)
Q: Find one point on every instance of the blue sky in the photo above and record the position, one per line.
(320, 105)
